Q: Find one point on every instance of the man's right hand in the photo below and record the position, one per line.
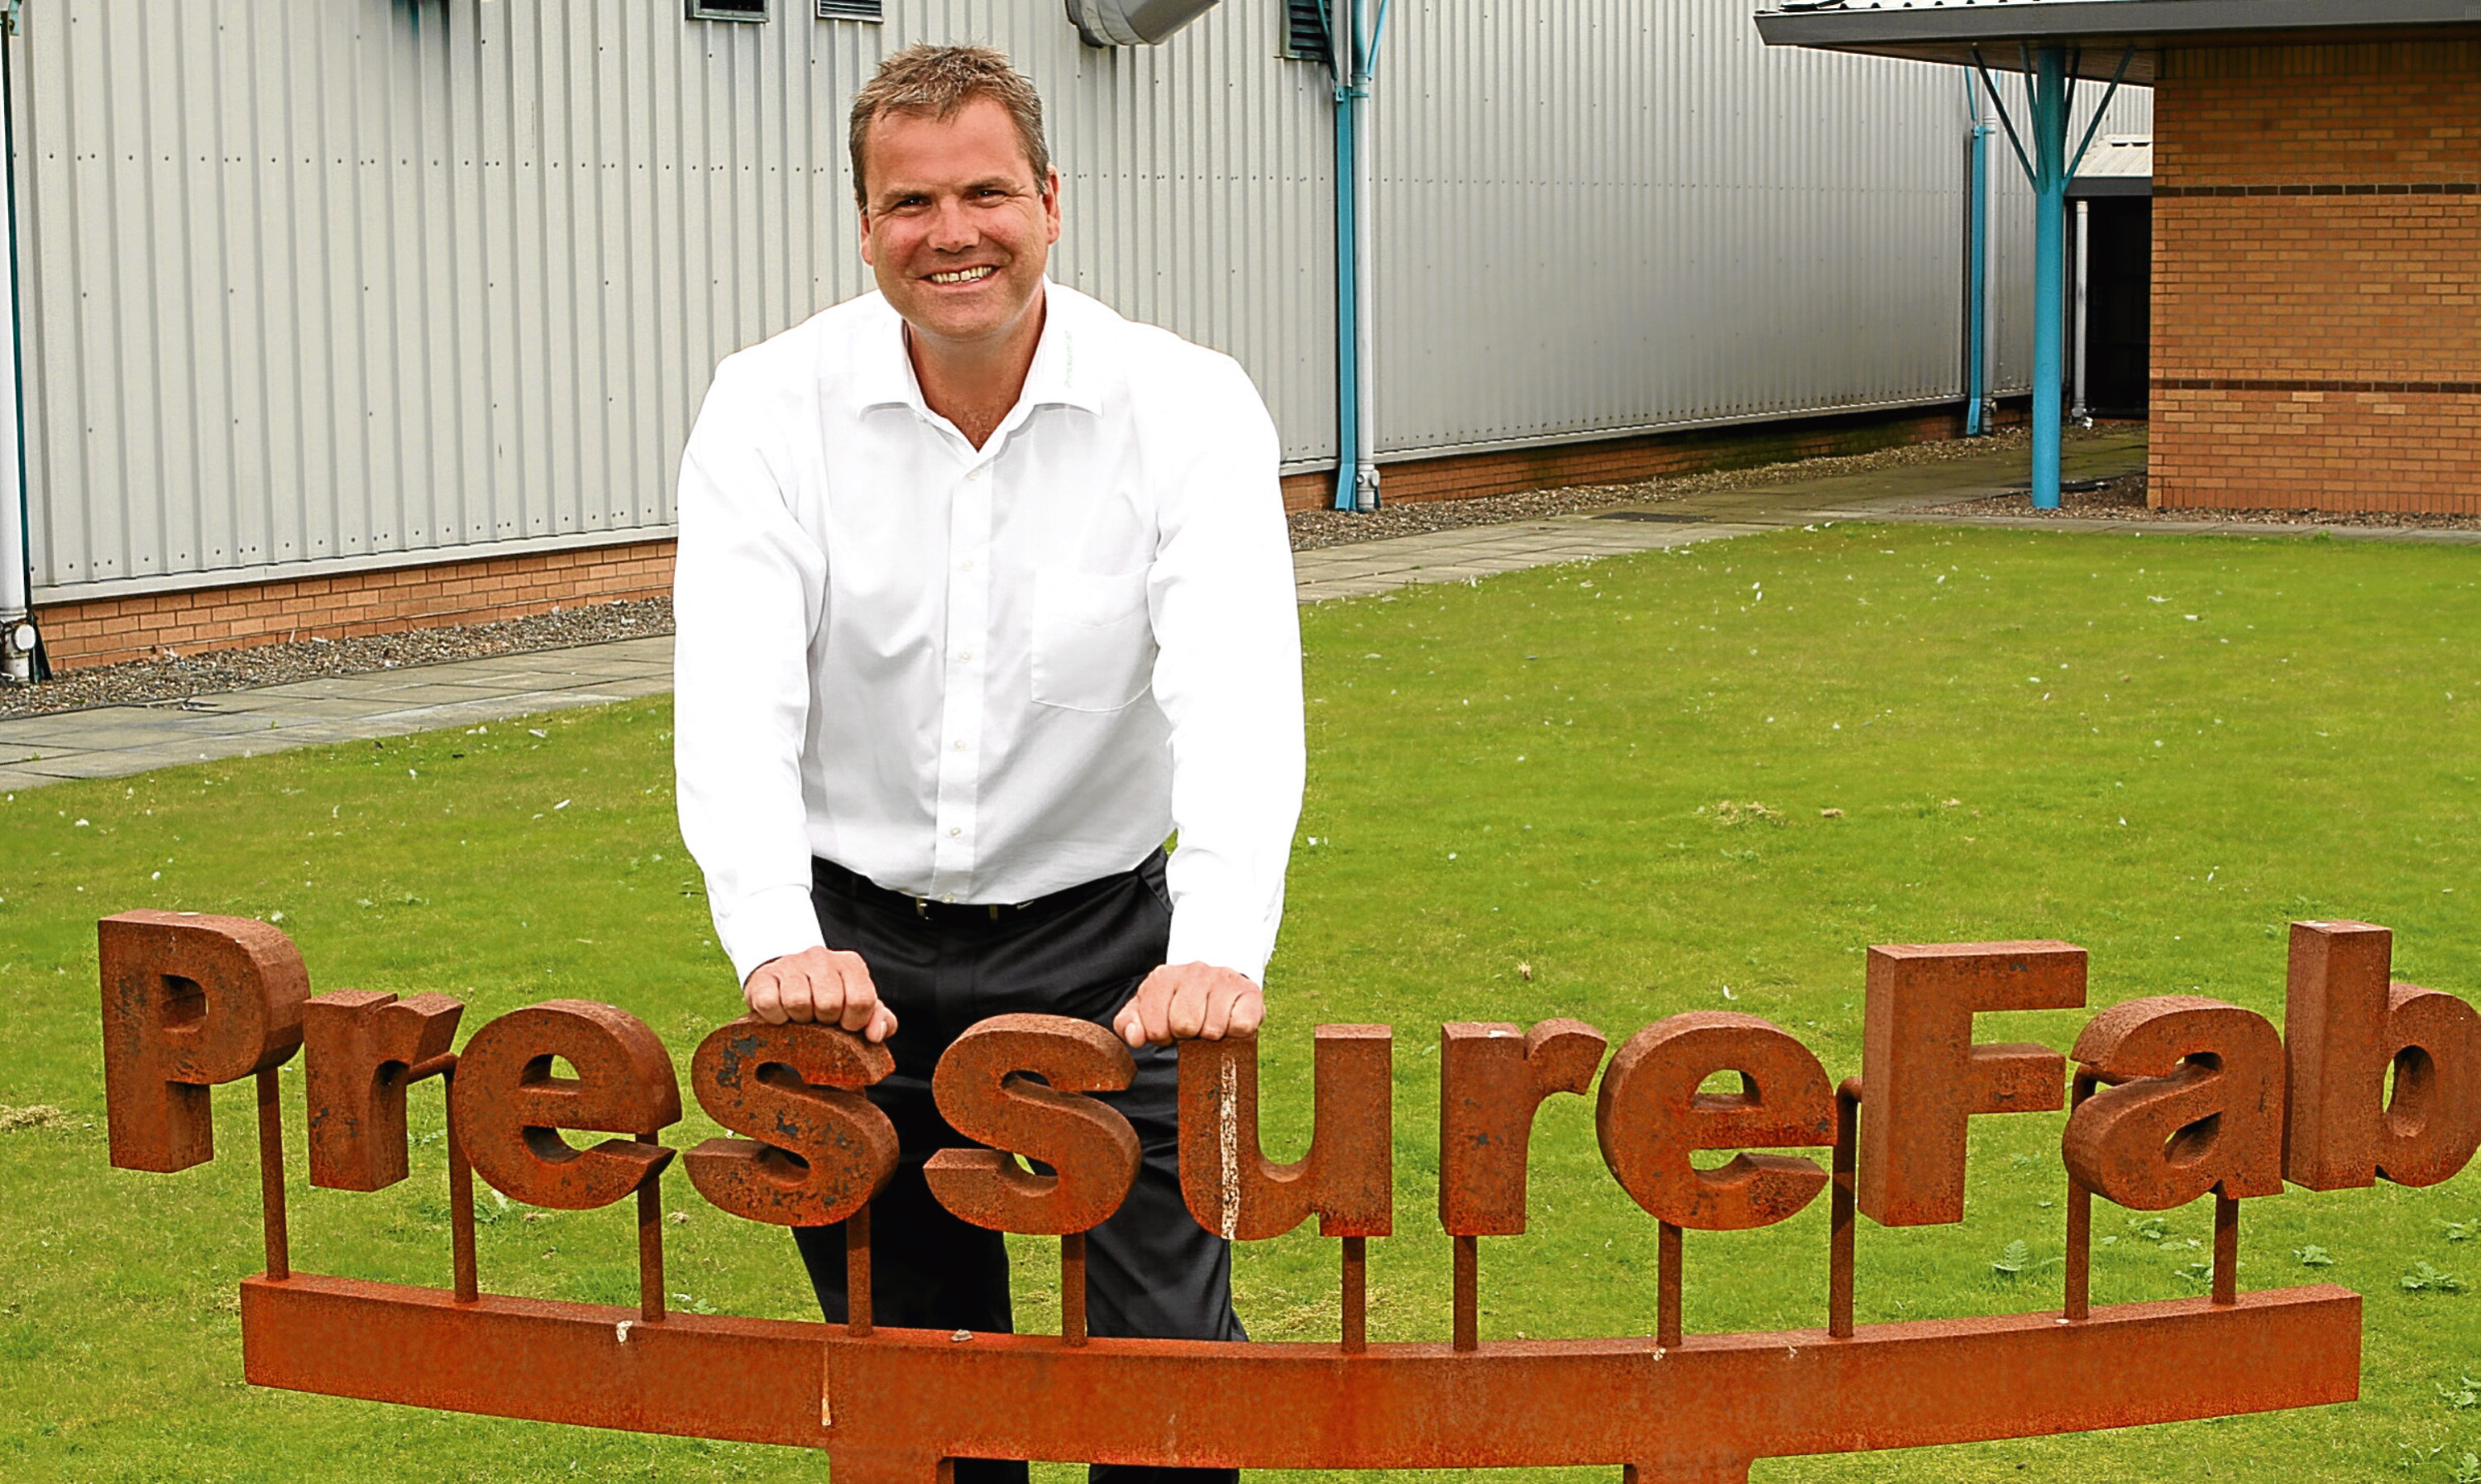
(825, 985)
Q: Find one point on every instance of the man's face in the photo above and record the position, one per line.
(957, 227)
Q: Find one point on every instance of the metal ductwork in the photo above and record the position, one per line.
(1133, 22)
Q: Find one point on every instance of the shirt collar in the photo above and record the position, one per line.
(1065, 369)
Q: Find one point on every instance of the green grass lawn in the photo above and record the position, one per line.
(1592, 791)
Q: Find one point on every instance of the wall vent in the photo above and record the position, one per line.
(851, 9)
(1305, 31)
(730, 10)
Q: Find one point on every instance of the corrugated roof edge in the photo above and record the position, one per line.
(1948, 32)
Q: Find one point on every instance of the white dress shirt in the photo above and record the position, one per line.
(985, 675)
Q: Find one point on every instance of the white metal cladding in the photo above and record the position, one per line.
(323, 283)
(336, 281)
(1633, 215)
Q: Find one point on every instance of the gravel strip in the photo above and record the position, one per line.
(170, 680)
(2124, 499)
(1314, 528)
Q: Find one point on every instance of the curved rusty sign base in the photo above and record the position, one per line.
(1694, 1412)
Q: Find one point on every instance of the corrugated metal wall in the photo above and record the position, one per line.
(1633, 215)
(322, 284)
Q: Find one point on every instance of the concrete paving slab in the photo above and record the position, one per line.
(94, 765)
(637, 655)
(110, 734)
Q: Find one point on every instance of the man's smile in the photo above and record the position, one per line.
(965, 275)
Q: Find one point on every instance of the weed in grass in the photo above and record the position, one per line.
(2017, 1259)
(1733, 813)
(2312, 1256)
(2422, 1278)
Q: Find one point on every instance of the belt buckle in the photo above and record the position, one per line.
(922, 906)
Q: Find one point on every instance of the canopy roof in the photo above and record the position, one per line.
(1950, 29)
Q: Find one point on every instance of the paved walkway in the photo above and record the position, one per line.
(114, 740)
(1879, 494)
(109, 742)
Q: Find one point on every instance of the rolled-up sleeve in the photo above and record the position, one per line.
(1227, 675)
(748, 592)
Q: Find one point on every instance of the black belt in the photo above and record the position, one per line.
(826, 874)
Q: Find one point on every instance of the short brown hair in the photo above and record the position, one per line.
(937, 82)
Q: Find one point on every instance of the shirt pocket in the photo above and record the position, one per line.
(1093, 641)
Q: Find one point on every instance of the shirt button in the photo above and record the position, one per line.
(968, 565)
(965, 656)
(960, 746)
(953, 831)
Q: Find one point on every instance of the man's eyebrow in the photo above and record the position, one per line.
(902, 191)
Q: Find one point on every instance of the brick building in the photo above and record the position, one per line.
(2316, 317)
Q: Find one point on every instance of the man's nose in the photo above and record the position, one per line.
(951, 227)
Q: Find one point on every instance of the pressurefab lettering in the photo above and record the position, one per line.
(2172, 1098)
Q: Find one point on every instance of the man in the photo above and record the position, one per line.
(984, 592)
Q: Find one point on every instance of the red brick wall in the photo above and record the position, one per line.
(2317, 277)
(104, 630)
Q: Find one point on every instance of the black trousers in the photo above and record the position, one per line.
(1151, 1271)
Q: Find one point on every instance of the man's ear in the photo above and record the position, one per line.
(866, 257)
(1050, 204)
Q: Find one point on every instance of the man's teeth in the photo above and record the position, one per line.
(964, 275)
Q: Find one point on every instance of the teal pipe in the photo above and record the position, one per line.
(1347, 302)
(1353, 57)
(2049, 130)
(2048, 168)
(1976, 269)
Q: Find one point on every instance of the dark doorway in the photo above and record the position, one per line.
(2119, 303)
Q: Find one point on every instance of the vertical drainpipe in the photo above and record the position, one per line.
(21, 657)
(1365, 358)
(1976, 266)
(1356, 466)
(2049, 266)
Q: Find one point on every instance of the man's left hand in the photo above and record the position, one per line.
(1179, 1002)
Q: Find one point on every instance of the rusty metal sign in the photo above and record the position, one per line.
(2172, 1098)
